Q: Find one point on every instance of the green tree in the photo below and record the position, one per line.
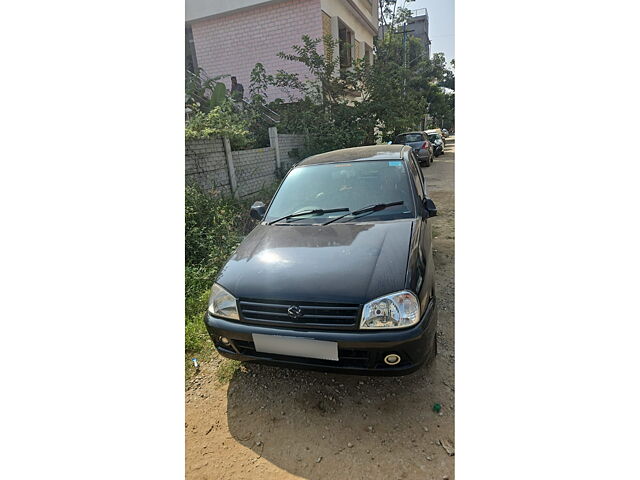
(359, 105)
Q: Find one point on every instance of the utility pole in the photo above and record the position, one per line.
(404, 43)
(404, 51)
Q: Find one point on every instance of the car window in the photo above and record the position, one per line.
(416, 173)
(420, 175)
(344, 185)
(409, 137)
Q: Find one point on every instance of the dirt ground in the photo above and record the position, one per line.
(278, 423)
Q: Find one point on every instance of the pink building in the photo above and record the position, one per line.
(231, 36)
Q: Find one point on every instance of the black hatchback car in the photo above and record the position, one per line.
(339, 274)
(421, 144)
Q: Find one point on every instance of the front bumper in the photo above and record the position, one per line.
(359, 352)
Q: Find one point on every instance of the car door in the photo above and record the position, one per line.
(421, 256)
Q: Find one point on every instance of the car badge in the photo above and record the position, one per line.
(294, 312)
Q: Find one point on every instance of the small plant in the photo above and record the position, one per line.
(221, 121)
(202, 94)
(213, 229)
(214, 226)
(227, 369)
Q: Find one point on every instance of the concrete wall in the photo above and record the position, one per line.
(206, 164)
(233, 43)
(288, 146)
(255, 169)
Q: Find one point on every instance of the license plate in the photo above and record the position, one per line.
(296, 346)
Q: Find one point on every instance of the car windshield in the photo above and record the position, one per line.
(409, 137)
(343, 185)
(433, 137)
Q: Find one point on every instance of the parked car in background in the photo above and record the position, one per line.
(339, 274)
(438, 143)
(420, 144)
(437, 131)
(445, 133)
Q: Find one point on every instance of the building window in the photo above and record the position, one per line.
(345, 38)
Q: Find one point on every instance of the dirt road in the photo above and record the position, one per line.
(278, 423)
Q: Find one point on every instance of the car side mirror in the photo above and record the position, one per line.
(430, 207)
(257, 211)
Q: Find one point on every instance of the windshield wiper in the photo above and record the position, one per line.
(371, 208)
(318, 211)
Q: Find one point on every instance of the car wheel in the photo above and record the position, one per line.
(428, 163)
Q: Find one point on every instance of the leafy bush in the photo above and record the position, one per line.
(213, 228)
(221, 121)
(366, 103)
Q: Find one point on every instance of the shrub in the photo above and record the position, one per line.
(221, 121)
(213, 228)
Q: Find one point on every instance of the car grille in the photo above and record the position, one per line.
(330, 316)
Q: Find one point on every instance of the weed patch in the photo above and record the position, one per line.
(214, 226)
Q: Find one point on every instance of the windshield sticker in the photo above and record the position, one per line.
(395, 164)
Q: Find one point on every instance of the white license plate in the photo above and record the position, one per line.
(296, 346)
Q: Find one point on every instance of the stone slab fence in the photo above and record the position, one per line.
(214, 166)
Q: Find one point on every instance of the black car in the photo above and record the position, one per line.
(438, 143)
(421, 145)
(339, 274)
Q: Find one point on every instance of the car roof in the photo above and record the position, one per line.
(357, 154)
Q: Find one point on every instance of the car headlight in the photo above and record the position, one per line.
(396, 310)
(222, 303)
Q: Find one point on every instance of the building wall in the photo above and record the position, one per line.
(417, 27)
(347, 12)
(234, 42)
(198, 9)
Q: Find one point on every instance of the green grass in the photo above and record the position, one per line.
(227, 369)
(214, 226)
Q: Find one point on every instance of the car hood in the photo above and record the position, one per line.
(340, 263)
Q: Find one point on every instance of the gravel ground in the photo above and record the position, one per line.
(265, 422)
